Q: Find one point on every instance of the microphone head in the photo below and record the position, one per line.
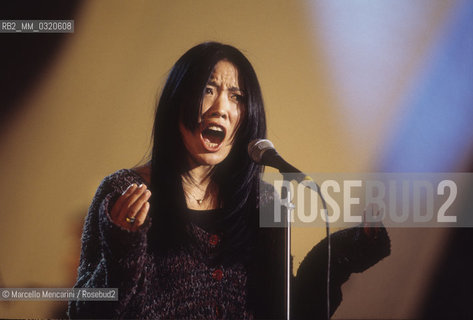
(257, 148)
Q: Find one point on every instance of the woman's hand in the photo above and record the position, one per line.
(131, 208)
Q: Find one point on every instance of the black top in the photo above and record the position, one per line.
(208, 220)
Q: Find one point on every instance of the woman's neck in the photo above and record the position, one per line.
(199, 189)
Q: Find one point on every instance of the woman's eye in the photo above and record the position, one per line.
(237, 97)
(208, 91)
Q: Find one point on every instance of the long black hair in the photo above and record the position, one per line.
(237, 177)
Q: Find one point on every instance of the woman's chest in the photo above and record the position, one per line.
(185, 285)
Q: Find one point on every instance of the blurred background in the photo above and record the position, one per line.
(349, 86)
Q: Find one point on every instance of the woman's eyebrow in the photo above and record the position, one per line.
(212, 83)
(235, 89)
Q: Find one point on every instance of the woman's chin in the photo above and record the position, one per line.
(211, 158)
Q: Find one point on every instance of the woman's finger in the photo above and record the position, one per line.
(115, 212)
(129, 201)
(138, 204)
(141, 216)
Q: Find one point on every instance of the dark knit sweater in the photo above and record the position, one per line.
(184, 284)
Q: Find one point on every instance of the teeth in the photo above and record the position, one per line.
(211, 144)
(215, 128)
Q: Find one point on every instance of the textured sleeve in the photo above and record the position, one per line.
(111, 257)
(352, 250)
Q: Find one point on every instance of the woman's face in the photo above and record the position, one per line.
(222, 109)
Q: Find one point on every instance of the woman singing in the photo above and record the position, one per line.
(179, 237)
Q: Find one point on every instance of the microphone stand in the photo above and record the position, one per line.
(288, 206)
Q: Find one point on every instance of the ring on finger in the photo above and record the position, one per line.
(130, 220)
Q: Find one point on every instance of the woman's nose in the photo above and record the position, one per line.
(220, 107)
(218, 114)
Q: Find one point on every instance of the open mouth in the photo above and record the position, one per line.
(213, 136)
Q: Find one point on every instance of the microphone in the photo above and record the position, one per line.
(262, 152)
